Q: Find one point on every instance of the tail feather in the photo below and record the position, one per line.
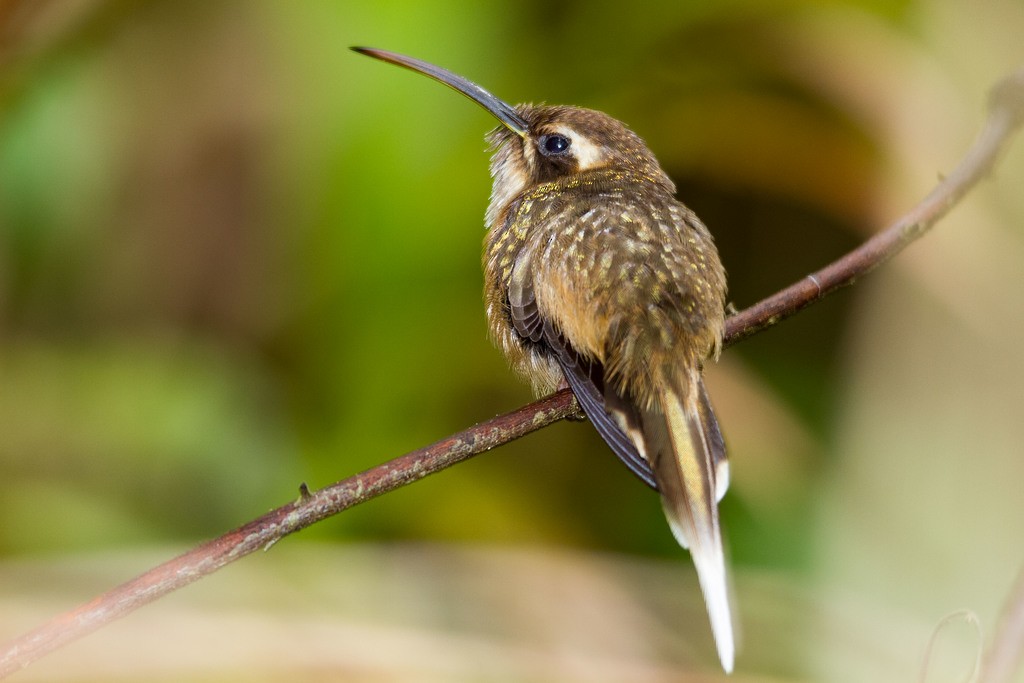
(715, 441)
(688, 458)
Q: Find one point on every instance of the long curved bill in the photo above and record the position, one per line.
(499, 109)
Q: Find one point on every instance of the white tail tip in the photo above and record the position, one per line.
(714, 586)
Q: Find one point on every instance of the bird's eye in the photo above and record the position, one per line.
(555, 144)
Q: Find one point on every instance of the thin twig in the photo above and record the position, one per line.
(960, 615)
(1006, 113)
(275, 525)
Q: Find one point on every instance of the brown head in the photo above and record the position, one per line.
(562, 142)
(538, 144)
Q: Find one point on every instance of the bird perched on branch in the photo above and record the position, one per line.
(597, 277)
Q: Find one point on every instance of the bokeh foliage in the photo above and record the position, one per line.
(235, 256)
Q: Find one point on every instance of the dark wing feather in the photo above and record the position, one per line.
(578, 374)
(525, 316)
(584, 377)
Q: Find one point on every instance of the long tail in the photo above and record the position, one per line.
(688, 457)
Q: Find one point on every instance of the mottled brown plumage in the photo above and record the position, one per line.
(596, 275)
(622, 269)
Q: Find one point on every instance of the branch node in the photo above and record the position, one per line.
(817, 284)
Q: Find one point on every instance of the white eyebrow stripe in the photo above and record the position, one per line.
(587, 154)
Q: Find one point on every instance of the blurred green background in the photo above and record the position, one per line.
(235, 256)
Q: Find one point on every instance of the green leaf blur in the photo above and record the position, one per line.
(235, 256)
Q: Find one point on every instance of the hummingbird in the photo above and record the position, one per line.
(598, 278)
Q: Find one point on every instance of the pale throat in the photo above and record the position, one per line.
(510, 180)
(510, 174)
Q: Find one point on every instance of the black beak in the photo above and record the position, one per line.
(499, 109)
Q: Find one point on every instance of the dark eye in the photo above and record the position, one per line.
(555, 144)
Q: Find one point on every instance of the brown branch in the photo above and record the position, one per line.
(275, 525)
(1006, 113)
